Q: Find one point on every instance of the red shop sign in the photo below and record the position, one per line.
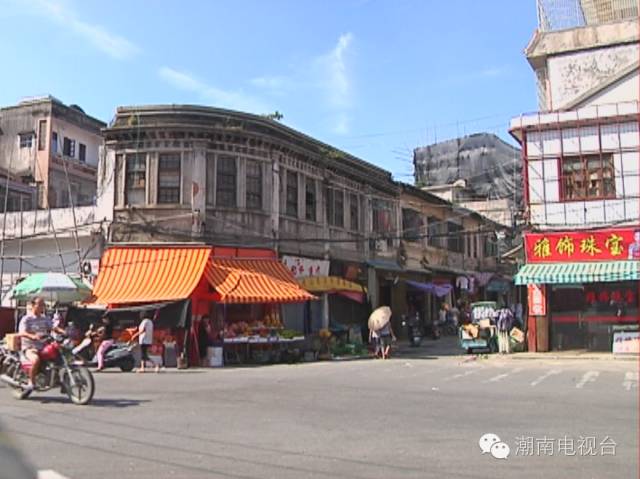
(601, 245)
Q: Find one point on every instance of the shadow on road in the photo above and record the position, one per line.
(106, 403)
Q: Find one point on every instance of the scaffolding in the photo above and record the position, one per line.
(565, 14)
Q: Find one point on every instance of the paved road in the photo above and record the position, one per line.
(401, 418)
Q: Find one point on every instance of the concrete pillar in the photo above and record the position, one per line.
(106, 188)
(198, 189)
(325, 311)
(275, 199)
(372, 287)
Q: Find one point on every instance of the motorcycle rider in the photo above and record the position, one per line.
(34, 327)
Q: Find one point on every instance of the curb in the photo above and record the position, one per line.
(590, 358)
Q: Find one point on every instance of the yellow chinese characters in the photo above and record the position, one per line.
(565, 246)
(614, 244)
(542, 248)
(589, 246)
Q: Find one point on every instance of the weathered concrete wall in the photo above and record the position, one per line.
(548, 44)
(573, 75)
(627, 88)
(39, 222)
(13, 122)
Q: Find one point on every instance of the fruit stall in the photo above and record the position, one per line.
(256, 333)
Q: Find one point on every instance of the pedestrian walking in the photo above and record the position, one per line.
(504, 325)
(144, 335)
(386, 335)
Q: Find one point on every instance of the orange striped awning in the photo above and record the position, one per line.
(254, 281)
(148, 274)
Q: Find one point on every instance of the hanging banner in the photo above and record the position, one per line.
(537, 300)
(305, 267)
(618, 244)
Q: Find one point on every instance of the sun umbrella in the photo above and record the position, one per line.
(55, 287)
(379, 318)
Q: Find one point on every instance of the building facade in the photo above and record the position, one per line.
(200, 174)
(480, 172)
(581, 160)
(48, 155)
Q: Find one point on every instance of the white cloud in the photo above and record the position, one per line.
(334, 67)
(236, 100)
(277, 84)
(341, 124)
(63, 14)
(181, 80)
(493, 72)
(333, 70)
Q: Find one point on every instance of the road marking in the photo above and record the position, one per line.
(500, 377)
(50, 474)
(588, 377)
(550, 373)
(630, 381)
(461, 375)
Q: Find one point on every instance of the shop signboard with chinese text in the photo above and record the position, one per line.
(617, 244)
(537, 300)
(305, 267)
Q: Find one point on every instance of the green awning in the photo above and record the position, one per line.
(587, 272)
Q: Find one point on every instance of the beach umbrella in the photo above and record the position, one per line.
(54, 287)
(379, 318)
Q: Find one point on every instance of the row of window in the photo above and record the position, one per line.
(447, 235)
(68, 144)
(226, 186)
(16, 200)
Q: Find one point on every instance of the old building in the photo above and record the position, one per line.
(479, 171)
(48, 155)
(204, 173)
(199, 174)
(581, 160)
(447, 250)
(189, 173)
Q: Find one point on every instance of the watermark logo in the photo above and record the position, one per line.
(491, 443)
(548, 446)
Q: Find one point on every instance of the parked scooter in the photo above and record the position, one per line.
(414, 331)
(57, 369)
(435, 329)
(116, 356)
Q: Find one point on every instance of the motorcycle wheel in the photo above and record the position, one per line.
(127, 364)
(17, 393)
(82, 393)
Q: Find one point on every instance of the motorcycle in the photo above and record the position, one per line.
(116, 356)
(58, 368)
(414, 332)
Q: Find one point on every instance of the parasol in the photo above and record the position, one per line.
(379, 318)
(54, 287)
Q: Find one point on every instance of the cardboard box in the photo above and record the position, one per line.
(13, 341)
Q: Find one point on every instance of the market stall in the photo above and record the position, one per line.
(246, 315)
(232, 296)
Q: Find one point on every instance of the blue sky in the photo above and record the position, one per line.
(376, 78)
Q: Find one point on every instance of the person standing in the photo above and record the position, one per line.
(105, 334)
(145, 340)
